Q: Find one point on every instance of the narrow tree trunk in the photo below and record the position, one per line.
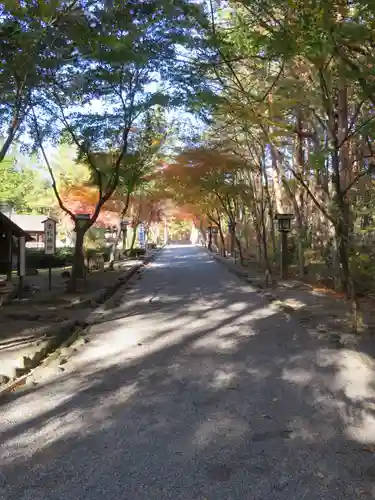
(239, 246)
(114, 246)
(134, 235)
(124, 238)
(78, 267)
(118, 233)
(265, 243)
(271, 216)
(274, 157)
(222, 239)
(260, 242)
(158, 234)
(342, 237)
(166, 235)
(298, 199)
(202, 232)
(301, 242)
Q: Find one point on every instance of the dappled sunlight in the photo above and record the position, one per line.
(216, 342)
(297, 376)
(258, 373)
(238, 306)
(217, 331)
(222, 378)
(15, 416)
(293, 303)
(311, 433)
(219, 427)
(214, 379)
(262, 312)
(50, 431)
(158, 264)
(55, 417)
(355, 375)
(172, 246)
(341, 384)
(362, 429)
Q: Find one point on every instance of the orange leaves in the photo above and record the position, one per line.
(208, 181)
(204, 168)
(83, 194)
(83, 199)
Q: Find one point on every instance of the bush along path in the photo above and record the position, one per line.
(22, 356)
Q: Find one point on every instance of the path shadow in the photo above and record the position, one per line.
(243, 404)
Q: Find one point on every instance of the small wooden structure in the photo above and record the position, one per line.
(10, 233)
(284, 222)
(33, 225)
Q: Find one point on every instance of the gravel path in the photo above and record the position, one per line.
(194, 388)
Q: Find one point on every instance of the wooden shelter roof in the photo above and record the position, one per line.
(7, 225)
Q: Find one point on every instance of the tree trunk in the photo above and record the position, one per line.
(114, 246)
(342, 227)
(134, 235)
(301, 243)
(222, 239)
(158, 234)
(202, 232)
(265, 243)
(260, 242)
(124, 238)
(274, 157)
(78, 267)
(118, 233)
(238, 243)
(271, 215)
(297, 196)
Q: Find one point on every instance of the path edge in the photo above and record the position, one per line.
(76, 328)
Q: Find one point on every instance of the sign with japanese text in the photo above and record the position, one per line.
(49, 237)
(141, 235)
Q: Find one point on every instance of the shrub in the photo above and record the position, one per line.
(363, 272)
(37, 259)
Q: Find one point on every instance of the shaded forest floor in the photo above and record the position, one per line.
(316, 306)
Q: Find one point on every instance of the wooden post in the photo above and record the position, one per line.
(21, 260)
(49, 245)
(124, 237)
(10, 256)
(284, 255)
(49, 275)
(284, 222)
(166, 236)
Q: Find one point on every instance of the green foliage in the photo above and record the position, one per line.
(86, 73)
(32, 43)
(24, 185)
(363, 270)
(36, 258)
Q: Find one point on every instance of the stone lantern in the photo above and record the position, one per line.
(284, 222)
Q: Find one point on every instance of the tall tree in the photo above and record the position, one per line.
(31, 43)
(120, 51)
(293, 98)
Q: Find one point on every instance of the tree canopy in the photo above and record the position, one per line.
(281, 94)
